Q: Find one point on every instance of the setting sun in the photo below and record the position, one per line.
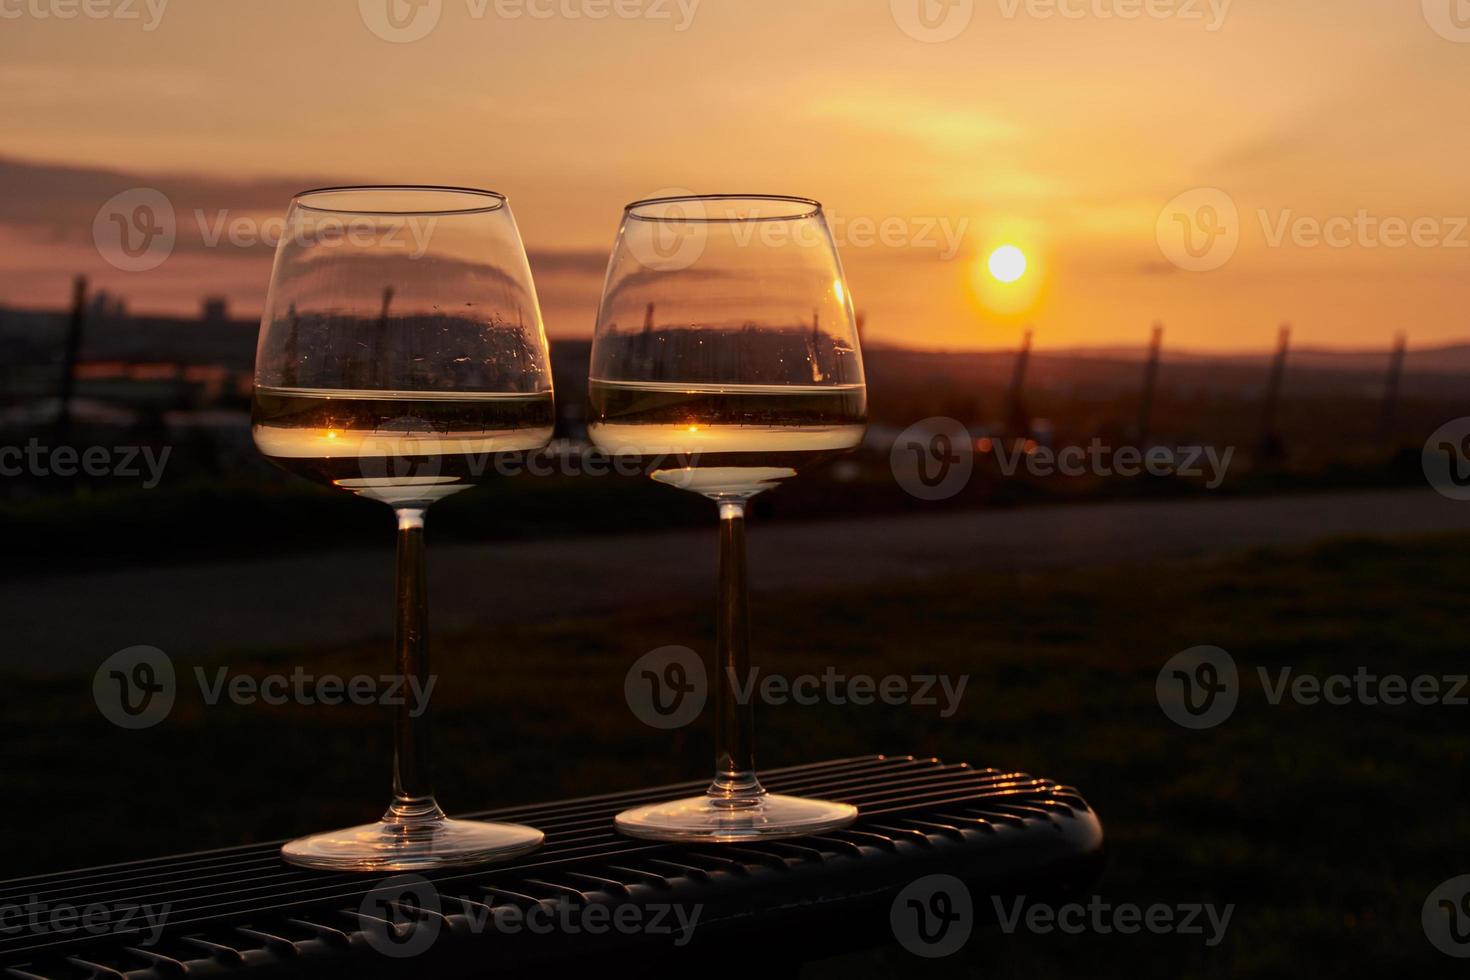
(1007, 263)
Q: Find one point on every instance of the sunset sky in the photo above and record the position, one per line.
(1066, 136)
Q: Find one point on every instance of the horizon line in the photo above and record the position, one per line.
(1037, 347)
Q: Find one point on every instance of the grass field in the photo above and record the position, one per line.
(1325, 826)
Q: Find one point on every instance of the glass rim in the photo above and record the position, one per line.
(809, 207)
(486, 201)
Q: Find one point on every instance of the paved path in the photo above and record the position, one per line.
(70, 623)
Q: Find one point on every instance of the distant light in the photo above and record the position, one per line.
(1007, 263)
(984, 444)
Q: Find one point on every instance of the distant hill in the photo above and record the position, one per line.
(1439, 373)
(1431, 372)
(1450, 359)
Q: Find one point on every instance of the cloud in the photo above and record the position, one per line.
(572, 262)
(58, 202)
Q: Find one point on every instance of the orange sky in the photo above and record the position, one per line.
(1066, 135)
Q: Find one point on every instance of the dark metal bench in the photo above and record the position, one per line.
(589, 896)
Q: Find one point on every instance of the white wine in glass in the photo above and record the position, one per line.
(726, 358)
(397, 446)
(401, 351)
(737, 439)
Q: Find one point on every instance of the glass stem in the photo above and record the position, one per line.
(735, 783)
(413, 789)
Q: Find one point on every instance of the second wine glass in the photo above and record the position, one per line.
(726, 358)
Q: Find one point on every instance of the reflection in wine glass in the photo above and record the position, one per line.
(727, 358)
(400, 353)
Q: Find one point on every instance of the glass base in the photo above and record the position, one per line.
(394, 844)
(709, 820)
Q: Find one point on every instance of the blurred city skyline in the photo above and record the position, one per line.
(1322, 134)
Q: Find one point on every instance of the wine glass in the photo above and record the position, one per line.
(401, 350)
(727, 360)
